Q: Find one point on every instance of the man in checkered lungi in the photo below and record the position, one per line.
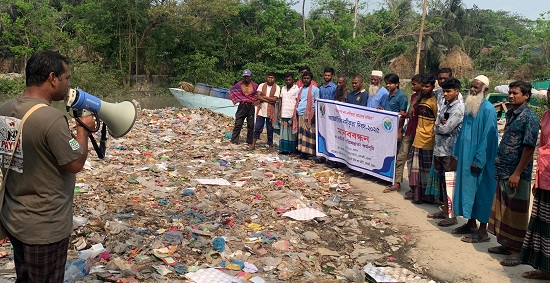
(37, 208)
(304, 116)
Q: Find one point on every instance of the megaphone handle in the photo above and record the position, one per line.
(103, 139)
(100, 154)
(76, 117)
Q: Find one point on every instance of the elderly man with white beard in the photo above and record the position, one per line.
(476, 149)
(378, 95)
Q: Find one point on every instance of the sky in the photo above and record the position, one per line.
(528, 8)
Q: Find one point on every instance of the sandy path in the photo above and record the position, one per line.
(442, 253)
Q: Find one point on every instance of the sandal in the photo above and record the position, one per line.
(476, 237)
(511, 261)
(464, 229)
(437, 215)
(447, 222)
(501, 250)
(536, 274)
(417, 201)
(390, 189)
(409, 195)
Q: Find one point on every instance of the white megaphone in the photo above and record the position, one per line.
(119, 117)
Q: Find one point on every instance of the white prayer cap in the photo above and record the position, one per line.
(377, 73)
(483, 79)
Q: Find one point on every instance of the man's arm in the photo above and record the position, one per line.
(273, 99)
(261, 96)
(279, 113)
(526, 156)
(530, 139)
(454, 121)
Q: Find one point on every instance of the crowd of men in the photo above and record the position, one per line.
(440, 134)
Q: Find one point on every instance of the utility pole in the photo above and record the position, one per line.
(355, 18)
(420, 35)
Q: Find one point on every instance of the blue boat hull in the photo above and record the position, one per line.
(194, 100)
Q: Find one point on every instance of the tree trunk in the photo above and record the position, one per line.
(355, 18)
(304, 17)
(420, 35)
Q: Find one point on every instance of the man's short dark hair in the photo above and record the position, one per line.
(391, 78)
(445, 71)
(304, 68)
(329, 70)
(417, 78)
(524, 87)
(428, 79)
(289, 74)
(41, 64)
(451, 83)
(307, 73)
(272, 74)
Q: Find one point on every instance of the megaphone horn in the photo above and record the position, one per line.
(119, 117)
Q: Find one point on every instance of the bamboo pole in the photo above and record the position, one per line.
(420, 35)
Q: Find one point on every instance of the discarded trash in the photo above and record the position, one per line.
(218, 244)
(174, 196)
(76, 269)
(211, 275)
(304, 214)
(217, 181)
(389, 274)
(92, 252)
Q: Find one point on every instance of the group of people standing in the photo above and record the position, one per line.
(293, 105)
(439, 132)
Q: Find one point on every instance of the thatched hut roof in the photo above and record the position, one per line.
(402, 66)
(461, 64)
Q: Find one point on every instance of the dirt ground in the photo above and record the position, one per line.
(444, 257)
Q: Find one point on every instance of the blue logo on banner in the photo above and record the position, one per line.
(388, 125)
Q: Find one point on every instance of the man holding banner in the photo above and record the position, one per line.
(408, 138)
(358, 95)
(447, 127)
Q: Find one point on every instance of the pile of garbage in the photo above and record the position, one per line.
(174, 201)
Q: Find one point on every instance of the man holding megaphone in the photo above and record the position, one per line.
(37, 192)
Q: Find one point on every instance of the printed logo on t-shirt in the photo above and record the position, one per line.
(74, 144)
(9, 145)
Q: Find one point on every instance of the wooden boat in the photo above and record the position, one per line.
(218, 101)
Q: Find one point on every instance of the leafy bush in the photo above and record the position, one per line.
(542, 106)
(96, 80)
(11, 87)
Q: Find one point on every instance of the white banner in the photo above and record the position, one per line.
(365, 139)
(450, 186)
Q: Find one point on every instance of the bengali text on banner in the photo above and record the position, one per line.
(365, 139)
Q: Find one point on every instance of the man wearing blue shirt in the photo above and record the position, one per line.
(397, 100)
(378, 95)
(328, 89)
(358, 95)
